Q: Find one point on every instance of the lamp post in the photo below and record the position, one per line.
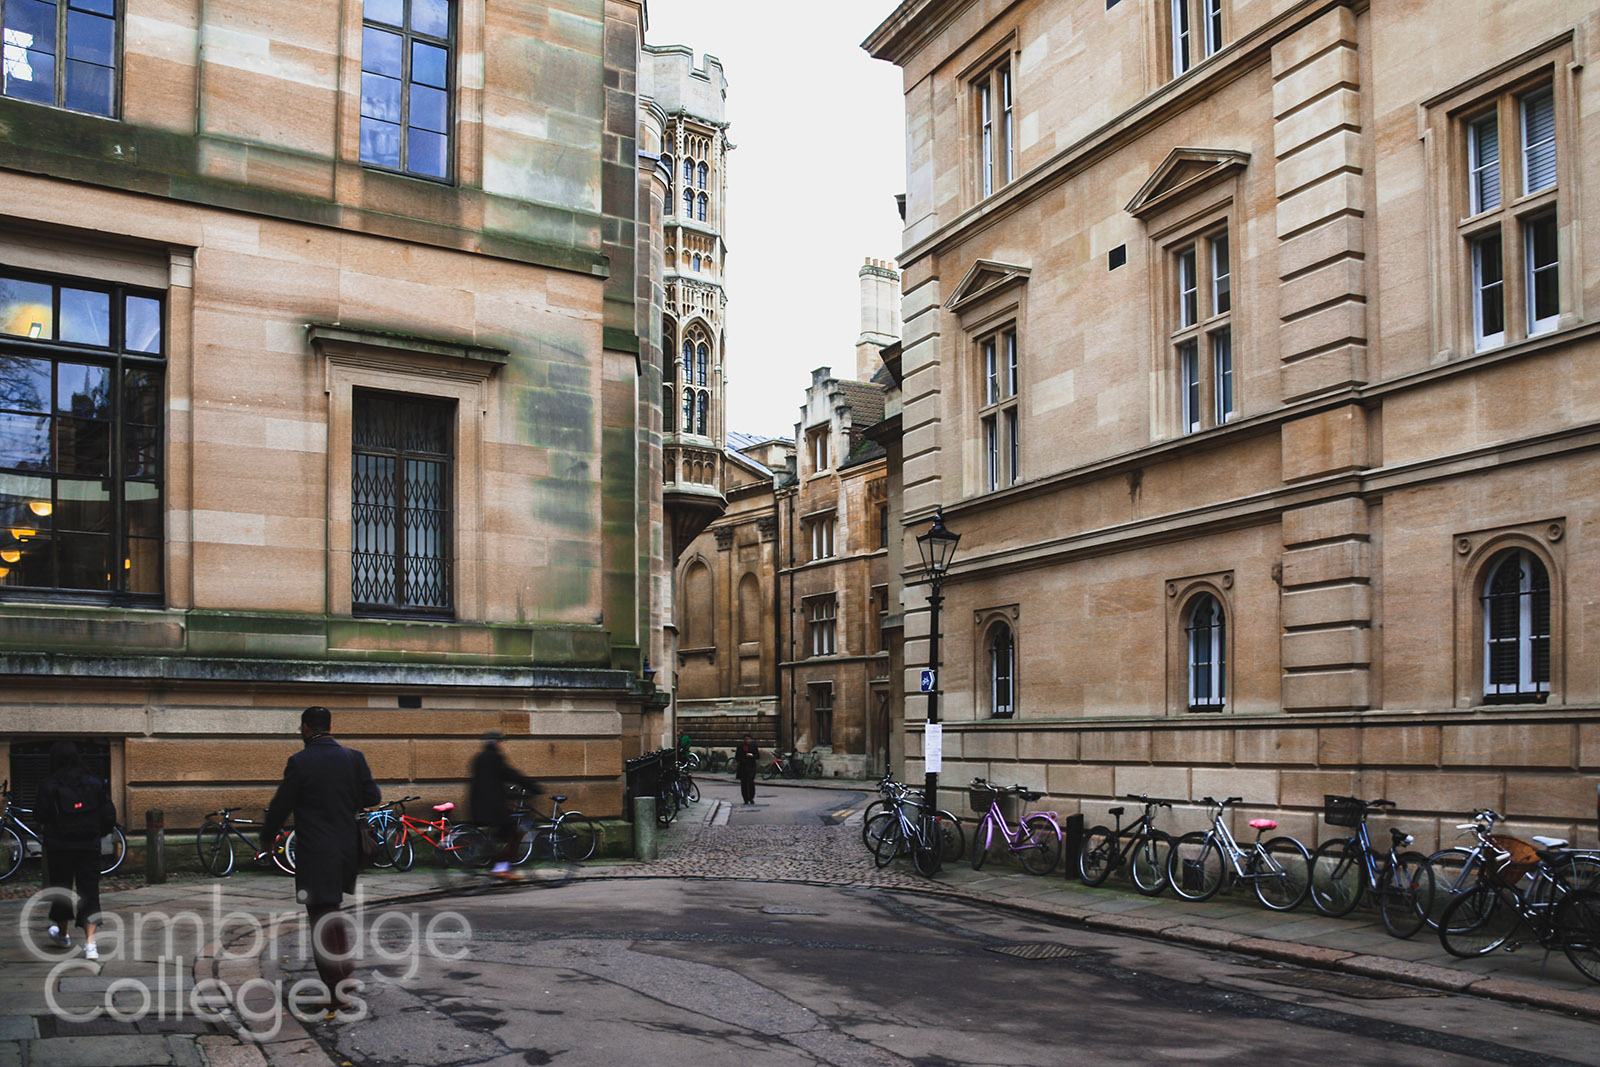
(937, 548)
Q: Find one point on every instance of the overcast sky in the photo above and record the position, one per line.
(820, 157)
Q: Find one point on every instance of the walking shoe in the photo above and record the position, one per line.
(508, 874)
(60, 936)
(90, 952)
(501, 868)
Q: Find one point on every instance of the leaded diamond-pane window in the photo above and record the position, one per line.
(400, 505)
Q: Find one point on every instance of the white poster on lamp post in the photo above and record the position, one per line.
(933, 748)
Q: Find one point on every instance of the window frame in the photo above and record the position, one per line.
(1194, 31)
(820, 696)
(1002, 666)
(1530, 687)
(822, 533)
(1213, 640)
(61, 44)
(999, 419)
(1198, 297)
(118, 359)
(408, 36)
(822, 624)
(993, 92)
(819, 448)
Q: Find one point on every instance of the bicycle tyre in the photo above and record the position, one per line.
(1041, 845)
(691, 761)
(666, 807)
(383, 834)
(1337, 876)
(870, 812)
(283, 852)
(1454, 870)
(10, 852)
(814, 769)
(926, 855)
(405, 853)
(1478, 921)
(952, 838)
(215, 850)
(1580, 870)
(466, 846)
(889, 844)
(1405, 894)
(692, 791)
(1195, 866)
(113, 850)
(574, 836)
(1147, 863)
(1577, 927)
(771, 771)
(1286, 881)
(873, 829)
(982, 838)
(1094, 858)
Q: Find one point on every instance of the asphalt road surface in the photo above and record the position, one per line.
(668, 972)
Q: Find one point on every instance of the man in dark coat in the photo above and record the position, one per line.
(745, 758)
(486, 803)
(323, 787)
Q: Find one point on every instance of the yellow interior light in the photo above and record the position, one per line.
(22, 533)
(10, 555)
(4, 571)
(41, 508)
(127, 564)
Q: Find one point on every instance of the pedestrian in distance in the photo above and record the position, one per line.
(486, 803)
(745, 757)
(324, 786)
(75, 811)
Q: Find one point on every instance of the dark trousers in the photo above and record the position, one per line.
(747, 787)
(330, 945)
(80, 870)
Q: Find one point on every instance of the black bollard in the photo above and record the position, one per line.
(155, 847)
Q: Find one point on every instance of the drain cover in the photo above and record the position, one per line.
(1350, 985)
(1036, 952)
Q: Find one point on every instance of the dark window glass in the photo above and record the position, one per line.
(1516, 610)
(80, 441)
(400, 495)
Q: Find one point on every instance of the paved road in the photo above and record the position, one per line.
(738, 973)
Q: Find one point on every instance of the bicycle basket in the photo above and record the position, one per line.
(1343, 811)
(981, 798)
(1520, 858)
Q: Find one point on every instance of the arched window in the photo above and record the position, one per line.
(702, 175)
(752, 623)
(1002, 651)
(669, 361)
(688, 361)
(1516, 629)
(1208, 654)
(697, 262)
(666, 161)
(688, 411)
(702, 359)
(704, 421)
(688, 204)
(688, 173)
(701, 214)
(697, 606)
(669, 411)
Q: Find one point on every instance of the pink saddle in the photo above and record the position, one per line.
(452, 807)
(1263, 824)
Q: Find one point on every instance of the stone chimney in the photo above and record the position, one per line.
(880, 315)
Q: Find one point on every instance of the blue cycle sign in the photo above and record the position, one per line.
(928, 681)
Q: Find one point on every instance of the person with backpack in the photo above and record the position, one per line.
(75, 812)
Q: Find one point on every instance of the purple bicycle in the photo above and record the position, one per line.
(1036, 839)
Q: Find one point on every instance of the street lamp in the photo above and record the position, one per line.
(938, 548)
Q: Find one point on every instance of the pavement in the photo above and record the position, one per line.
(200, 972)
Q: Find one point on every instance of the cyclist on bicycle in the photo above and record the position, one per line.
(486, 802)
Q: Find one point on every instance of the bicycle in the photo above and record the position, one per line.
(1145, 853)
(570, 836)
(1345, 868)
(215, 848)
(922, 832)
(794, 765)
(459, 843)
(1279, 870)
(1036, 839)
(891, 808)
(1524, 887)
(1457, 869)
(20, 841)
(677, 790)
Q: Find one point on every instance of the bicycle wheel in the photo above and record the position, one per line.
(216, 850)
(1283, 873)
(814, 769)
(691, 761)
(1040, 845)
(1147, 866)
(1337, 876)
(1454, 870)
(1094, 859)
(1477, 922)
(873, 829)
(666, 807)
(1405, 894)
(467, 846)
(982, 838)
(283, 852)
(1579, 870)
(1577, 922)
(890, 842)
(405, 853)
(870, 812)
(10, 852)
(692, 791)
(952, 838)
(1195, 866)
(113, 849)
(926, 855)
(573, 837)
(771, 770)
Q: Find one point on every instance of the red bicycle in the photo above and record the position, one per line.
(458, 843)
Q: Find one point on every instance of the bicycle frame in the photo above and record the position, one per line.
(1134, 832)
(1234, 852)
(995, 815)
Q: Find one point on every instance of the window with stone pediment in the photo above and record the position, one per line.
(402, 469)
(407, 86)
(64, 53)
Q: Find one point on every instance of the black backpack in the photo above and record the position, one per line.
(83, 808)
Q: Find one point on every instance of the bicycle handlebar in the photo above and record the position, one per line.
(1145, 798)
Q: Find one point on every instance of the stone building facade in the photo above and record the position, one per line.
(1249, 348)
(329, 373)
